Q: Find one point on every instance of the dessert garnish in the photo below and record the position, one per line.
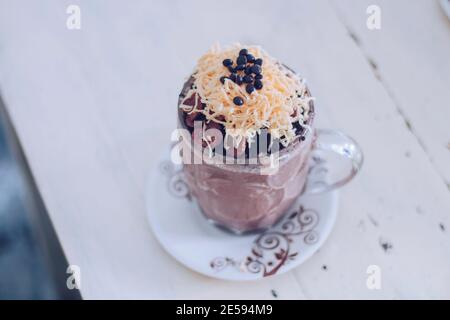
(242, 91)
(238, 101)
(252, 69)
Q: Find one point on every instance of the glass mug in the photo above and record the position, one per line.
(239, 198)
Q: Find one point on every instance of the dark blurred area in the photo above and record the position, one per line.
(32, 264)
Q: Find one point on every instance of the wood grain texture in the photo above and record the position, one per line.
(93, 108)
(411, 61)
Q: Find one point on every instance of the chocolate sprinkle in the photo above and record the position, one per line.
(238, 101)
(227, 62)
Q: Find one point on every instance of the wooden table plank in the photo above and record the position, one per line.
(93, 107)
(399, 198)
(410, 54)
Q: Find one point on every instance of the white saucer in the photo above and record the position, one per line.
(182, 230)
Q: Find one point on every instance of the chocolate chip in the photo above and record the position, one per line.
(201, 117)
(258, 85)
(238, 101)
(238, 80)
(241, 60)
(248, 79)
(250, 58)
(243, 52)
(256, 69)
(298, 128)
(227, 62)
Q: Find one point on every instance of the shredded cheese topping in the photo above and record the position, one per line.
(281, 102)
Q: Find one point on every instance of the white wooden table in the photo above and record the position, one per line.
(92, 108)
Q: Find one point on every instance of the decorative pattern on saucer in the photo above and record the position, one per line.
(176, 183)
(272, 249)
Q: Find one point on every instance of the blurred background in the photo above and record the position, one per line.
(29, 250)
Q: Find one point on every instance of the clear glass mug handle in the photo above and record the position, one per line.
(334, 154)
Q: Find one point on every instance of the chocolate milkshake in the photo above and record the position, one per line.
(249, 171)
